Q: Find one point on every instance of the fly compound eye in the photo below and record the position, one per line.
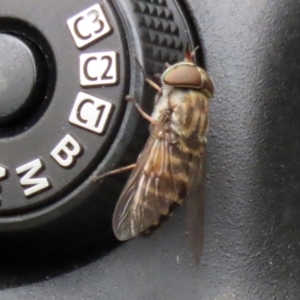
(184, 75)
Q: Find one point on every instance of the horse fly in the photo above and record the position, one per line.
(171, 166)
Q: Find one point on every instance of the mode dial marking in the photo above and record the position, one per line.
(89, 26)
(91, 113)
(100, 68)
(3, 172)
(36, 184)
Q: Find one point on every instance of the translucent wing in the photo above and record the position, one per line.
(195, 201)
(158, 180)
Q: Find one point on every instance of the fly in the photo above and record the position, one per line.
(171, 167)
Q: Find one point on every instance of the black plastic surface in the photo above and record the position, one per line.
(252, 211)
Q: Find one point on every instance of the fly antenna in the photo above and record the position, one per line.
(190, 56)
(193, 53)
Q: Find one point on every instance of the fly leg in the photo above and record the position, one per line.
(154, 85)
(95, 178)
(144, 115)
(151, 83)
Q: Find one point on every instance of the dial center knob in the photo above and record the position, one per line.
(17, 76)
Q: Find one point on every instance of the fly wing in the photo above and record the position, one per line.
(195, 201)
(158, 180)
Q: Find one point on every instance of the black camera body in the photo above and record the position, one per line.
(65, 71)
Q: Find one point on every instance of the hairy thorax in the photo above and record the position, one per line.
(188, 117)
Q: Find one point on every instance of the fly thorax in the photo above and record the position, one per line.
(167, 89)
(178, 107)
(162, 103)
